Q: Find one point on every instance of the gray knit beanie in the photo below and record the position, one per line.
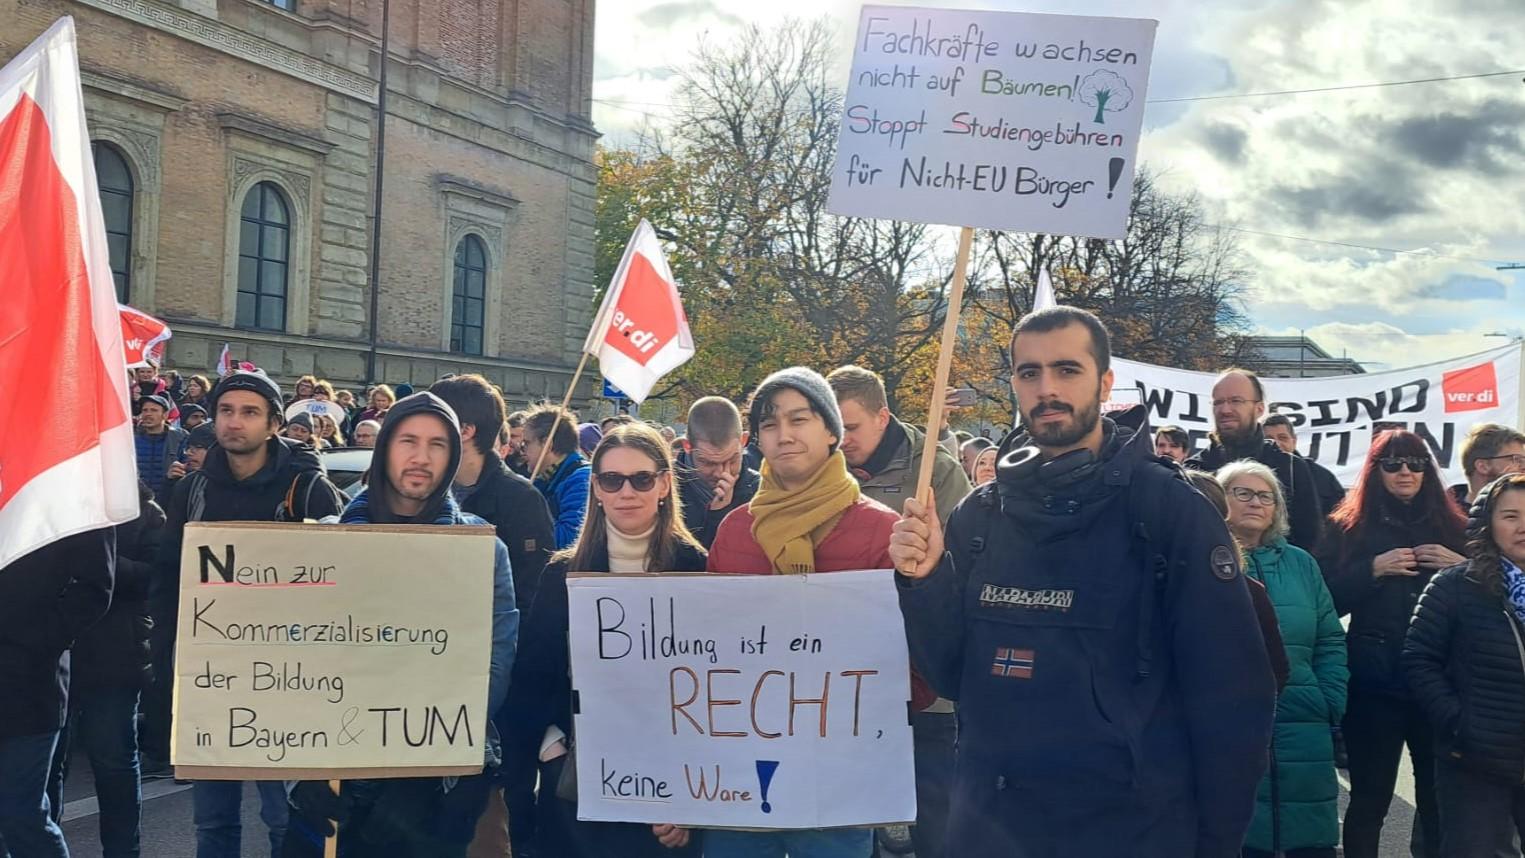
(810, 385)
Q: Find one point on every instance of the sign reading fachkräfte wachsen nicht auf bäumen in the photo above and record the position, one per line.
(999, 120)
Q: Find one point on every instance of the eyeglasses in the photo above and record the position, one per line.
(1236, 401)
(1245, 495)
(1516, 460)
(641, 481)
(1415, 464)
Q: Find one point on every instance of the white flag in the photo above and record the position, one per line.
(640, 333)
(1043, 296)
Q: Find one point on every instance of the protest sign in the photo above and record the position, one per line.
(1000, 120)
(332, 651)
(314, 407)
(1335, 417)
(741, 701)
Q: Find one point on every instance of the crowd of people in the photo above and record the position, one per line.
(1119, 645)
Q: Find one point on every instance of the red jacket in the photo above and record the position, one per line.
(861, 540)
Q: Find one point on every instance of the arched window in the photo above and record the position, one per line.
(469, 297)
(264, 243)
(115, 183)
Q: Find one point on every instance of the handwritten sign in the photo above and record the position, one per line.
(775, 701)
(308, 651)
(1000, 120)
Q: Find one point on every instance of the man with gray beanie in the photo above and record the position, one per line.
(808, 516)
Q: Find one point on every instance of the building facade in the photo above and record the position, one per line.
(235, 142)
(1297, 357)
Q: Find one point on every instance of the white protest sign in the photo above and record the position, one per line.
(1335, 417)
(1001, 120)
(741, 701)
(332, 651)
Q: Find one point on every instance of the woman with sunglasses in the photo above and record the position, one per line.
(632, 525)
(1465, 659)
(1395, 529)
(1296, 807)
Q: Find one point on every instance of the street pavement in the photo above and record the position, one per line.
(168, 832)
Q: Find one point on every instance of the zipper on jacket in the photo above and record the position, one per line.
(1519, 646)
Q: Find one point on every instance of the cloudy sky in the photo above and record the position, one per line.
(1432, 168)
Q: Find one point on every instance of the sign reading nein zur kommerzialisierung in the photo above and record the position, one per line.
(999, 120)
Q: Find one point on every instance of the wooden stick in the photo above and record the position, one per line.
(331, 842)
(566, 403)
(944, 366)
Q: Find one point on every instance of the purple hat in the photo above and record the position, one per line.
(588, 436)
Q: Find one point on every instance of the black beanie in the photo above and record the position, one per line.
(254, 381)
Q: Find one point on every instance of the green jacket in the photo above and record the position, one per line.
(895, 480)
(1313, 701)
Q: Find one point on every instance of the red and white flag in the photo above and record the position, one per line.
(640, 333)
(59, 315)
(143, 337)
(224, 362)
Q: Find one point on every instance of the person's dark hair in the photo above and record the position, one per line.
(670, 530)
(1260, 389)
(475, 402)
(1175, 435)
(1363, 503)
(543, 419)
(1487, 568)
(1054, 318)
(1484, 441)
(714, 420)
(1280, 420)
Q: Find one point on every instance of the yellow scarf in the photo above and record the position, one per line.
(788, 525)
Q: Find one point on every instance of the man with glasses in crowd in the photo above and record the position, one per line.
(1489, 452)
(1239, 404)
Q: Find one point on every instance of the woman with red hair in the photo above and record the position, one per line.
(1394, 530)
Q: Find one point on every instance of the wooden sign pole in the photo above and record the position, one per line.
(331, 842)
(944, 366)
(566, 403)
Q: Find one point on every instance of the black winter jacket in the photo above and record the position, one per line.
(695, 495)
(114, 653)
(1304, 510)
(1379, 608)
(1466, 665)
(512, 505)
(47, 598)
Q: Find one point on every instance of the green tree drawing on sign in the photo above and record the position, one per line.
(1107, 92)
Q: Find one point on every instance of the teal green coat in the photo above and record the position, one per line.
(1313, 701)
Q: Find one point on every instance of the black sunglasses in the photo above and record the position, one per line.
(641, 481)
(1416, 464)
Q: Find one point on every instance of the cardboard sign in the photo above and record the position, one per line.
(999, 120)
(741, 701)
(332, 651)
(1335, 417)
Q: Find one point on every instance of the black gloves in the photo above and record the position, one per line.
(315, 803)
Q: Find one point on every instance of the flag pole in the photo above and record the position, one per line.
(566, 402)
(938, 404)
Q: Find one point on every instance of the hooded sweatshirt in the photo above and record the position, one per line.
(375, 506)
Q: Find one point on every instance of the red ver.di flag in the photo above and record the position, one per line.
(58, 315)
(143, 338)
(640, 333)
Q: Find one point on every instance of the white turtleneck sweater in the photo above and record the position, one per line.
(628, 553)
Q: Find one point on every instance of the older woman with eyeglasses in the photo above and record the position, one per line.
(1296, 810)
(1395, 529)
(632, 525)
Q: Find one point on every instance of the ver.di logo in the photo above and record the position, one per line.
(1472, 388)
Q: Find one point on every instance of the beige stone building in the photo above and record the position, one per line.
(236, 144)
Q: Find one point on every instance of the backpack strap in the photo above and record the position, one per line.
(195, 496)
(298, 497)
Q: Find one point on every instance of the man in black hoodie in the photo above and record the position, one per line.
(715, 480)
(251, 475)
(1239, 404)
(417, 455)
